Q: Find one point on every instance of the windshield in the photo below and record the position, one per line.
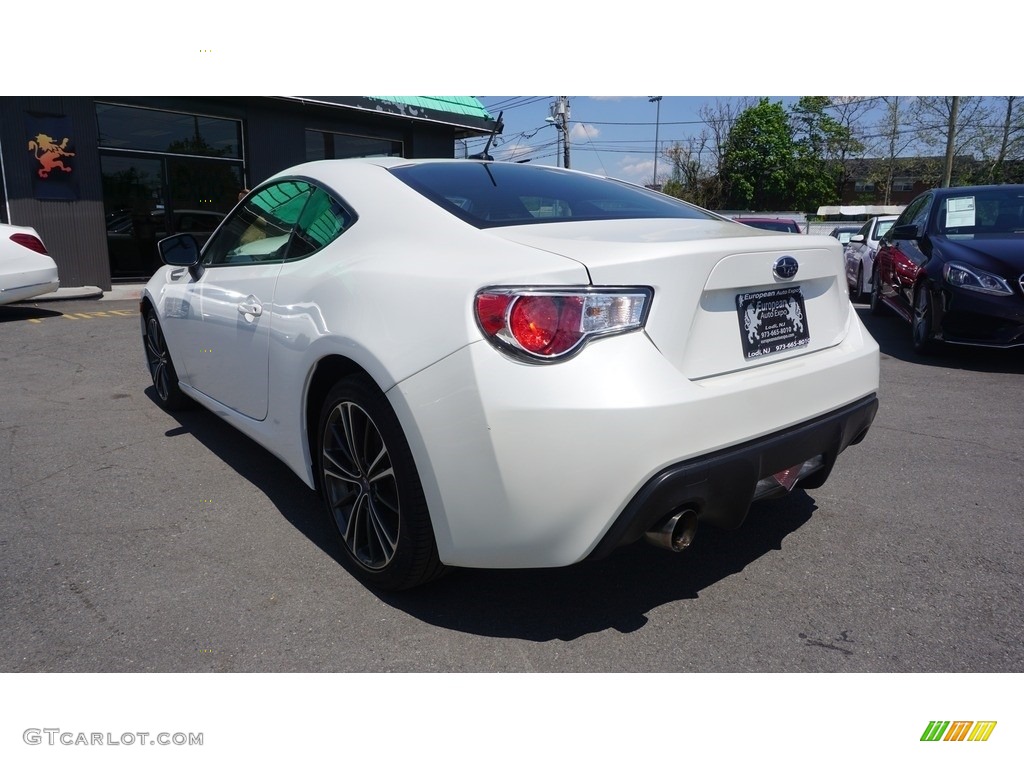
(998, 211)
(507, 194)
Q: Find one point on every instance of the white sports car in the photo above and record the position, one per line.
(500, 365)
(26, 270)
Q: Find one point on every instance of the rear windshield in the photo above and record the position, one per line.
(507, 194)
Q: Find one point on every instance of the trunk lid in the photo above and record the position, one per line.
(719, 305)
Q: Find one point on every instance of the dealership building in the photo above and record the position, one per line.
(103, 178)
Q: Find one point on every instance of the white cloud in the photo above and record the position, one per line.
(637, 171)
(580, 133)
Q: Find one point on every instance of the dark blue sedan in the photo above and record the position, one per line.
(953, 266)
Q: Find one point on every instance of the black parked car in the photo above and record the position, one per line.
(953, 266)
(844, 233)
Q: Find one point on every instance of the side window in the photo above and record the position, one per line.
(911, 212)
(322, 220)
(259, 230)
(921, 216)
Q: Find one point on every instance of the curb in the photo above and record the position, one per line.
(116, 293)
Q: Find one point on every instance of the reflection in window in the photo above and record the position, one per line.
(324, 145)
(155, 130)
(259, 230)
(321, 222)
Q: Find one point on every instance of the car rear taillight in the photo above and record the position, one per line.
(29, 241)
(547, 324)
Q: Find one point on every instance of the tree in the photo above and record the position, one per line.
(820, 142)
(850, 112)
(697, 162)
(891, 140)
(952, 125)
(1001, 145)
(757, 166)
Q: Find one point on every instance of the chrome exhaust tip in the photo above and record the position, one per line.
(676, 532)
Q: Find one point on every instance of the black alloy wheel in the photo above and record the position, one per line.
(369, 483)
(161, 367)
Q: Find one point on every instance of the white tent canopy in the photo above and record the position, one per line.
(860, 210)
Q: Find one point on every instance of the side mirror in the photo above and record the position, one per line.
(179, 250)
(903, 232)
(857, 239)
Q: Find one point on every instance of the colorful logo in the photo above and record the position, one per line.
(958, 730)
(49, 153)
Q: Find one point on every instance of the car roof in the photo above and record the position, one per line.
(949, 191)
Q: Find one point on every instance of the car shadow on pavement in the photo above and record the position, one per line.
(12, 313)
(539, 605)
(614, 593)
(893, 336)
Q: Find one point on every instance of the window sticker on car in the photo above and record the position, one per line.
(960, 212)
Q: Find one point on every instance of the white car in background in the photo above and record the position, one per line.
(860, 252)
(501, 365)
(26, 270)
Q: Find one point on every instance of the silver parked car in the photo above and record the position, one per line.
(859, 255)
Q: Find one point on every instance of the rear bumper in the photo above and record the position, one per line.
(720, 486)
(29, 284)
(531, 466)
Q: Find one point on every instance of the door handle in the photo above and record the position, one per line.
(250, 306)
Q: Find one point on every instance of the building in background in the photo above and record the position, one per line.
(103, 178)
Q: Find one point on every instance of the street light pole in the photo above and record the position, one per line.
(657, 125)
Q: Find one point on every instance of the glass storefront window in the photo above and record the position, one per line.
(163, 173)
(180, 133)
(324, 145)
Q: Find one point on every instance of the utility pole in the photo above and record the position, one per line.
(563, 102)
(560, 118)
(950, 143)
(657, 125)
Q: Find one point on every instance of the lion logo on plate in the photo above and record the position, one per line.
(786, 267)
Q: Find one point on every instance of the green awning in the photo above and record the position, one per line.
(465, 114)
(457, 105)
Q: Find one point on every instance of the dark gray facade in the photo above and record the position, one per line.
(273, 133)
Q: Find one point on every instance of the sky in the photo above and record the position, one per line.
(609, 135)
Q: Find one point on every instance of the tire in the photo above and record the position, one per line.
(161, 367)
(371, 489)
(922, 323)
(875, 300)
(857, 293)
(854, 290)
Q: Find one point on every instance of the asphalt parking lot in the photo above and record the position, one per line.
(133, 540)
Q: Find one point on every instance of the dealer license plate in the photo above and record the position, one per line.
(772, 321)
